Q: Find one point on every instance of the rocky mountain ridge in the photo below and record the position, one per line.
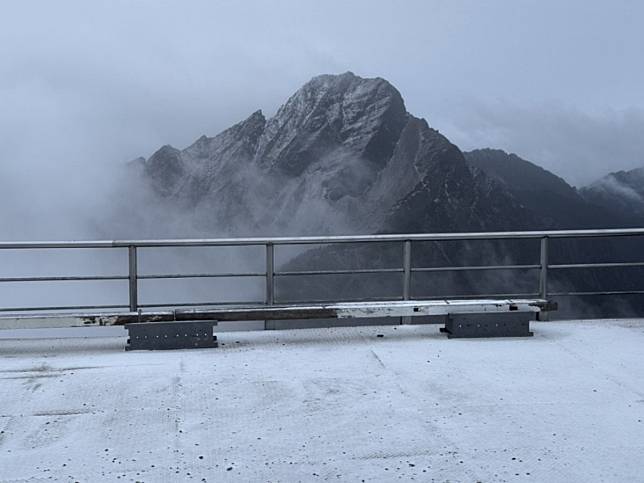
(547, 195)
(341, 155)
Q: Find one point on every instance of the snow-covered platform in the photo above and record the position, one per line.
(361, 403)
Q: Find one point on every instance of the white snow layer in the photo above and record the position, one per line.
(329, 404)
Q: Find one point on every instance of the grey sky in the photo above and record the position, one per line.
(84, 85)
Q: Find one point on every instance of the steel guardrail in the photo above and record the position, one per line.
(270, 273)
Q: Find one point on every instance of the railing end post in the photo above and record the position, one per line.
(543, 274)
(270, 274)
(406, 276)
(132, 278)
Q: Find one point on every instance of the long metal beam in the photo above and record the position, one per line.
(406, 308)
(320, 240)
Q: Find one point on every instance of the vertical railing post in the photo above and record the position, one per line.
(406, 270)
(270, 282)
(406, 276)
(270, 274)
(543, 276)
(132, 275)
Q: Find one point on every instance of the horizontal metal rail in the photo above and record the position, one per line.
(596, 265)
(476, 267)
(607, 293)
(63, 308)
(342, 300)
(478, 296)
(270, 244)
(322, 240)
(339, 272)
(200, 275)
(203, 304)
(65, 279)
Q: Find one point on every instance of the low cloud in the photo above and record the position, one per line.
(579, 146)
(611, 185)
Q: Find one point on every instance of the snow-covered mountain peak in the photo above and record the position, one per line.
(341, 155)
(363, 116)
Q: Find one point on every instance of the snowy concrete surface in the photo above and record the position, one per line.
(329, 404)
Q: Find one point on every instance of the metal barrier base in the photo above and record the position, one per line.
(488, 325)
(169, 335)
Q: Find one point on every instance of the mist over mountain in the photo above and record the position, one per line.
(621, 192)
(342, 155)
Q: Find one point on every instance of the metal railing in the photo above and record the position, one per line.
(270, 273)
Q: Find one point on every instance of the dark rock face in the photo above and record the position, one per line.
(341, 155)
(557, 204)
(165, 170)
(451, 197)
(609, 203)
(335, 116)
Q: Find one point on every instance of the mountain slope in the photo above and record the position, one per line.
(622, 192)
(548, 196)
(341, 155)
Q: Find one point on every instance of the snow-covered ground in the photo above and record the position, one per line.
(329, 404)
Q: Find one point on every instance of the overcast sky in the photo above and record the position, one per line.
(84, 85)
